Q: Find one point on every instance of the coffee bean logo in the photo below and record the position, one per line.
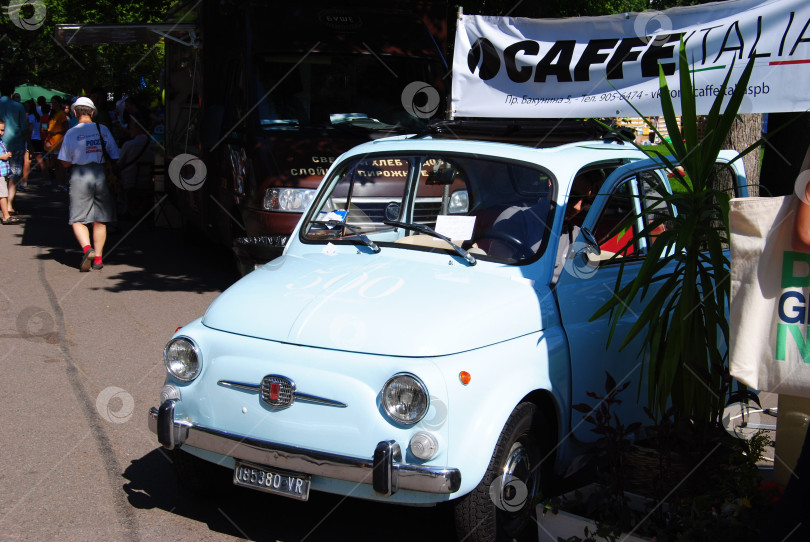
(484, 56)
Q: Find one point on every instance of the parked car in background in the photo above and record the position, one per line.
(423, 337)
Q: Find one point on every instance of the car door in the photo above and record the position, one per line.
(626, 201)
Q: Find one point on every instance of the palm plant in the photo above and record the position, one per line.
(685, 320)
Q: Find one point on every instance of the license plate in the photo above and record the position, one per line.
(280, 482)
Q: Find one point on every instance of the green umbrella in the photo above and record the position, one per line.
(32, 92)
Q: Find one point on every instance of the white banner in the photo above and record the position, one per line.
(581, 67)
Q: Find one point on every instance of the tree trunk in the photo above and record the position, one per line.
(745, 131)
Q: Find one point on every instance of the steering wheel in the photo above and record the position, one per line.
(520, 248)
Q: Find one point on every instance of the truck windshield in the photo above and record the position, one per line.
(494, 209)
(338, 90)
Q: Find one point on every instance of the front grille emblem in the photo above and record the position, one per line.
(278, 391)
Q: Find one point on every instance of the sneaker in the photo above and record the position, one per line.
(97, 265)
(87, 261)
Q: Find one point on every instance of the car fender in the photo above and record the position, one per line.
(502, 376)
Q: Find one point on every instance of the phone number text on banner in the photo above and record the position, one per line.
(592, 66)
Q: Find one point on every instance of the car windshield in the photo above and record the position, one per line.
(494, 209)
(339, 90)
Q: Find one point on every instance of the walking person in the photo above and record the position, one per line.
(57, 127)
(33, 143)
(102, 116)
(13, 113)
(44, 121)
(84, 148)
(787, 521)
(4, 170)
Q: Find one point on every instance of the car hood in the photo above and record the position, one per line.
(379, 305)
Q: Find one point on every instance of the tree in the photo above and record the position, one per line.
(33, 55)
(784, 152)
(552, 8)
(746, 130)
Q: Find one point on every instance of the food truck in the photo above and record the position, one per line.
(261, 98)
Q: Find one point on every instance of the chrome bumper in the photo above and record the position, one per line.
(385, 472)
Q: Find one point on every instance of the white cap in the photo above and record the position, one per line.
(85, 101)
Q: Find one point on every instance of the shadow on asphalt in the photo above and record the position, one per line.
(136, 256)
(254, 515)
(149, 258)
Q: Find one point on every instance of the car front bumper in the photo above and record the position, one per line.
(385, 471)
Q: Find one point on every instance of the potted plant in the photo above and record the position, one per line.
(725, 501)
(684, 324)
(684, 330)
(604, 508)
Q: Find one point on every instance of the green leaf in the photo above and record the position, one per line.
(681, 290)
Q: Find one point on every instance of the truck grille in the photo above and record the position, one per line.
(425, 211)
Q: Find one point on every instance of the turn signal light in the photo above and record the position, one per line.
(465, 377)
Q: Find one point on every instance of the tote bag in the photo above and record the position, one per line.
(770, 286)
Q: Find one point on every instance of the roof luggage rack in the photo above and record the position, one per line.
(530, 132)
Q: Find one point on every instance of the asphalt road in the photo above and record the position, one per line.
(81, 362)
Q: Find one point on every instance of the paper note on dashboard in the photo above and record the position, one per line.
(456, 227)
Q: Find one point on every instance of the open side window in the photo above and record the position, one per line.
(634, 205)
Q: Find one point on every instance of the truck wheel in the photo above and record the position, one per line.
(244, 263)
(502, 507)
(198, 476)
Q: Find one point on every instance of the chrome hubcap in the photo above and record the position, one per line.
(517, 485)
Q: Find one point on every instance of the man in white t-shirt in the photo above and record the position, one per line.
(86, 147)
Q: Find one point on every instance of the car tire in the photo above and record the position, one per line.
(196, 475)
(502, 506)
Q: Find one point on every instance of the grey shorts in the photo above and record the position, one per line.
(3, 187)
(90, 198)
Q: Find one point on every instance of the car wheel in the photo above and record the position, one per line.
(502, 507)
(196, 475)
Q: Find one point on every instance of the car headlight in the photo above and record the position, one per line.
(404, 399)
(459, 202)
(183, 359)
(290, 200)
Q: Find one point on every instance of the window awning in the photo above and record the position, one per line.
(126, 34)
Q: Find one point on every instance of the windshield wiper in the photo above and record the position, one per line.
(337, 223)
(421, 228)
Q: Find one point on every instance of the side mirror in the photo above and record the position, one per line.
(591, 246)
(211, 125)
(578, 262)
(590, 239)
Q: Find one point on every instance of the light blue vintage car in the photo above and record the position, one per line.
(426, 331)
